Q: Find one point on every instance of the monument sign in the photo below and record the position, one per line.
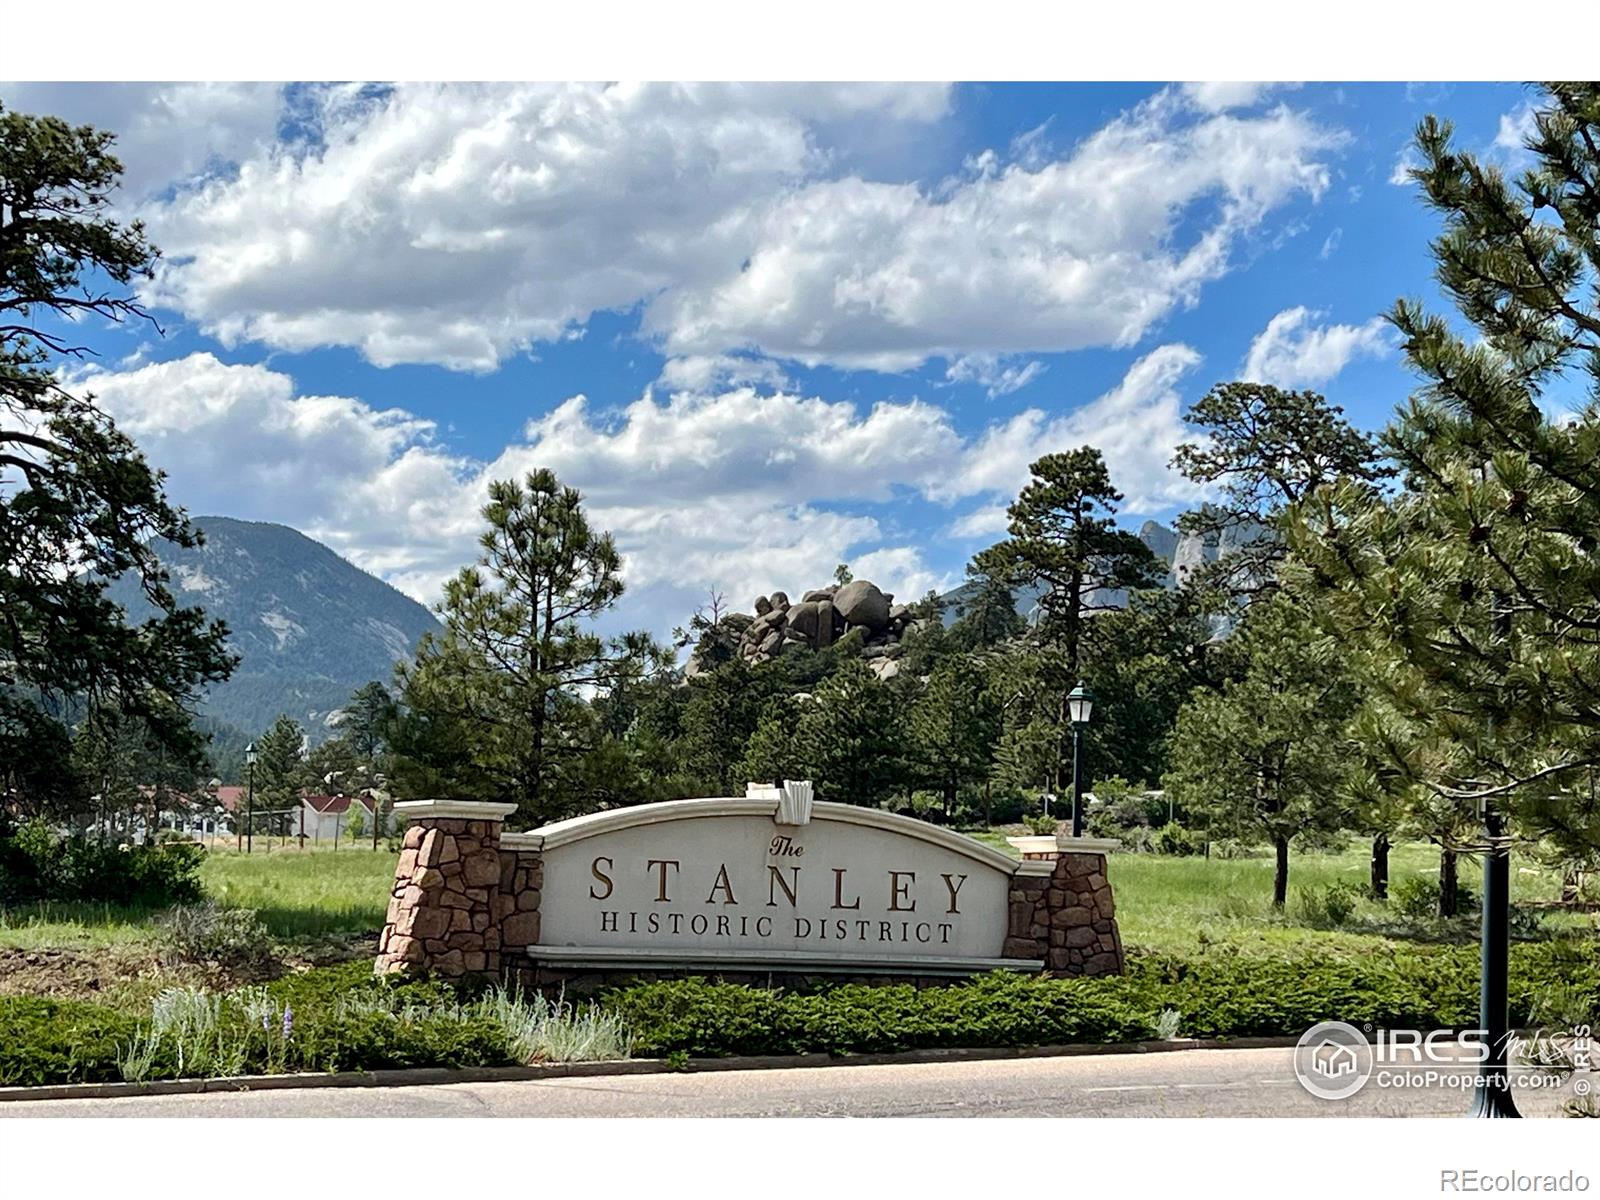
(772, 881)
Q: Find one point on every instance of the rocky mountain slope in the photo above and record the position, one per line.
(1182, 552)
(309, 626)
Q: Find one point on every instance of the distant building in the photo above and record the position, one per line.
(324, 818)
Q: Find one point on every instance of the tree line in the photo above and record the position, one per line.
(1404, 629)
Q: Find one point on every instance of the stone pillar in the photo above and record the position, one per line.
(521, 887)
(1067, 919)
(444, 910)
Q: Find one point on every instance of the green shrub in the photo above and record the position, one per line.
(1218, 994)
(1174, 839)
(37, 864)
(343, 1018)
(1416, 897)
(1327, 908)
(1040, 825)
(60, 1041)
(232, 938)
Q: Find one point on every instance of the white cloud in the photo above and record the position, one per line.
(992, 374)
(1405, 162)
(1293, 352)
(987, 521)
(1137, 426)
(1221, 95)
(1510, 139)
(462, 224)
(239, 440)
(1085, 251)
(743, 490)
(459, 224)
(711, 372)
(166, 133)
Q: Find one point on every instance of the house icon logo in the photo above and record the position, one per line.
(1332, 1060)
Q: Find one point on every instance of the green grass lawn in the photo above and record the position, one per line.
(302, 893)
(1163, 903)
(1178, 904)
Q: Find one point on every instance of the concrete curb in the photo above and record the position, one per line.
(438, 1076)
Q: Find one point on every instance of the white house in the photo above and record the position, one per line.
(327, 818)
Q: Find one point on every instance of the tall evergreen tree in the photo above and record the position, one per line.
(1266, 758)
(847, 737)
(1263, 451)
(989, 615)
(772, 753)
(1475, 593)
(952, 729)
(281, 774)
(1143, 664)
(367, 718)
(78, 504)
(517, 657)
(1064, 541)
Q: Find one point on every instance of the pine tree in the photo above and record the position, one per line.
(1266, 757)
(511, 669)
(847, 737)
(989, 615)
(952, 729)
(772, 753)
(366, 720)
(281, 774)
(78, 504)
(1264, 450)
(1474, 594)
(717, 720)
(1065, 541)
(1143, 664)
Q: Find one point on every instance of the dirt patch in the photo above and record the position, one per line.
(330, 950)
(76, 974)
(131, 973)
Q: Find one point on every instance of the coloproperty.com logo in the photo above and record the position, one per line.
(1334, 1060)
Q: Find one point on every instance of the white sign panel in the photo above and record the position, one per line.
(722, 881)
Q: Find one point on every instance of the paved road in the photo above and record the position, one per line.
(1240, 1083)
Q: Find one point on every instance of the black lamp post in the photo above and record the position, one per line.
(1080, 703)
(250, 798)
(1493, 1095)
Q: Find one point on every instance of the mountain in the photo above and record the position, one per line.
(310, 627)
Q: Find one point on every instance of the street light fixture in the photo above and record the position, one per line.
(1080, 704)
(250, 798)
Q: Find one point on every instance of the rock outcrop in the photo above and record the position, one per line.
(820, 618)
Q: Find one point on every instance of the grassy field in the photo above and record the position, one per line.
(299, 894)
(305, 893)
(1163, 903)
(1167, 903)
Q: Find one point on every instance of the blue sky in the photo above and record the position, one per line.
(764, 329)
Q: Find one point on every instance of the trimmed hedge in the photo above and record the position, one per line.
(345, 1019)
(60, 1041)
(1220, 994)
(706, 1018)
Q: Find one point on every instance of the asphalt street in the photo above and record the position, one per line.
(1190, 1083)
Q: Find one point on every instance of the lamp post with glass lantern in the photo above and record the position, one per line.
(1080, 704)
(250, 797)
